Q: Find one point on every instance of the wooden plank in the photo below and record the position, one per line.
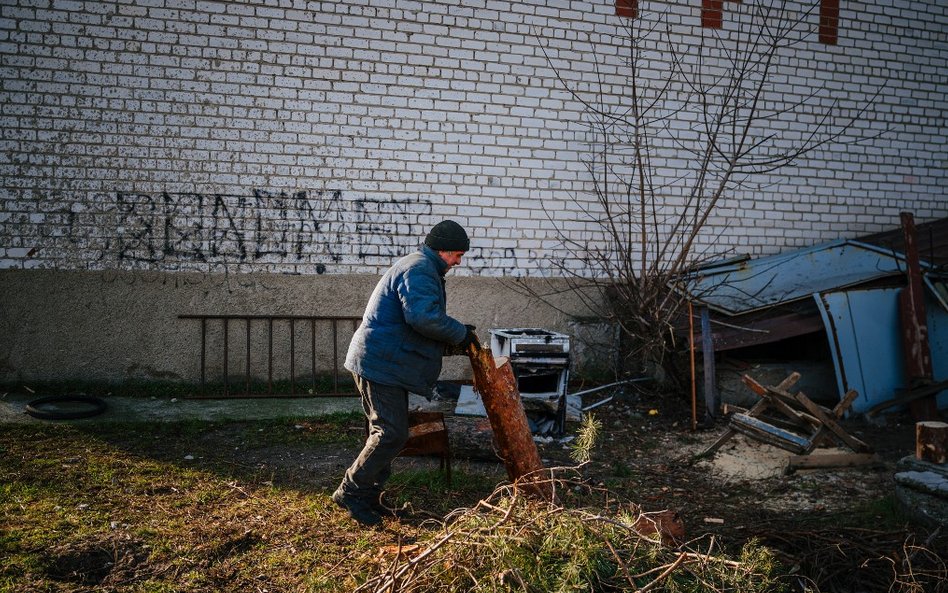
(768, 433)
(791, 398)
(759, 389)
(823, 435)
(799, 419)
(707, 353)
(843, 406)
(796, 462)
(830, 423)
(904, 396)
(713, 447)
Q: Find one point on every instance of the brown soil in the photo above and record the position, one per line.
(645, 454)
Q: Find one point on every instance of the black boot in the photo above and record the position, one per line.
(360, 510)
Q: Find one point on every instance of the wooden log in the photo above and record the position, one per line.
(472, 439)
(497, 386)
(931, 441)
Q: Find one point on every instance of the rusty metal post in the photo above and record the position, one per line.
(497, 385)
(691, 349)
(918, 355)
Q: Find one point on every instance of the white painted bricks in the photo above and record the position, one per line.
(326, 137)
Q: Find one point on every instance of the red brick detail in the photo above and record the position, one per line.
(629, 8)
(712, 13)
(829, 21)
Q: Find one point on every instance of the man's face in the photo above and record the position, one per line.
(452, 258)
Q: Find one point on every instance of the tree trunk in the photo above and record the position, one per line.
(931, 441)
(495, 382)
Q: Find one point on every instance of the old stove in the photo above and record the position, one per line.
(540, 362)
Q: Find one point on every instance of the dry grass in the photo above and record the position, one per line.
(198, 508)
(512, 542)
(80, 512)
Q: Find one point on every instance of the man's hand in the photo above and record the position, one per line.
(469, 338)
(460, 349)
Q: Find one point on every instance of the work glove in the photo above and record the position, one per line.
(460, 349)
(469, 338)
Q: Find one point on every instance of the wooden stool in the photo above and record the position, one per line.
(428, 435)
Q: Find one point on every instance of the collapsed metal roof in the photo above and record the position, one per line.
(845, 289)
(757, 284)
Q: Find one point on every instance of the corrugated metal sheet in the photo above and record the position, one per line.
(863, 331)
(760, 283)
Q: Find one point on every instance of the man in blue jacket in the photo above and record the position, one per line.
(396, 350)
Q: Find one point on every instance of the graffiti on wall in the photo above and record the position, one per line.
(264, 227)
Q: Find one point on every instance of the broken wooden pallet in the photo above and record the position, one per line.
(804, 426)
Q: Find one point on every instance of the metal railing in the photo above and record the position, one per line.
(250, 387)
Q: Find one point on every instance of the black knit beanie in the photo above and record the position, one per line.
(448, 235)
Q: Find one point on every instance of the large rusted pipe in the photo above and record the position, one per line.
(495, 382)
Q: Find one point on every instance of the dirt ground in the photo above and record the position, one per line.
(839, 528)
(645, 453)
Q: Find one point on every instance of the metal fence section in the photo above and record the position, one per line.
(328, 339)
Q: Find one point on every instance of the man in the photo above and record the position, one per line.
(398, 348)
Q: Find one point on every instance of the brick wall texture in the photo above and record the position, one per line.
(326, 137)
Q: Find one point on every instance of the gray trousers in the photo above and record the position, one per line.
(386, 409)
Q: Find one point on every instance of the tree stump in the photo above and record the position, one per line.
(497, 385)
(931, 441)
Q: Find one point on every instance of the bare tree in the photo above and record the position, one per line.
(656, 182)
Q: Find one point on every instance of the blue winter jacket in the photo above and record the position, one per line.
(406, 326)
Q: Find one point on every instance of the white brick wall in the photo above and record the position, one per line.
(326, 137)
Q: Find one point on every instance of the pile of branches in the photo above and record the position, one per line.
(854, 559)
(512, 542)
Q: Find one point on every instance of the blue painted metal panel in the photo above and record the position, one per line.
(760, 283)
(938, 342)
(865, 340)
(863, 329)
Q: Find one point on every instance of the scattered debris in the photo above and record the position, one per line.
(849, 293)
(798, 414)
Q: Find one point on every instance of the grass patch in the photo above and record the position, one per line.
(239, 506)
(82, 510)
